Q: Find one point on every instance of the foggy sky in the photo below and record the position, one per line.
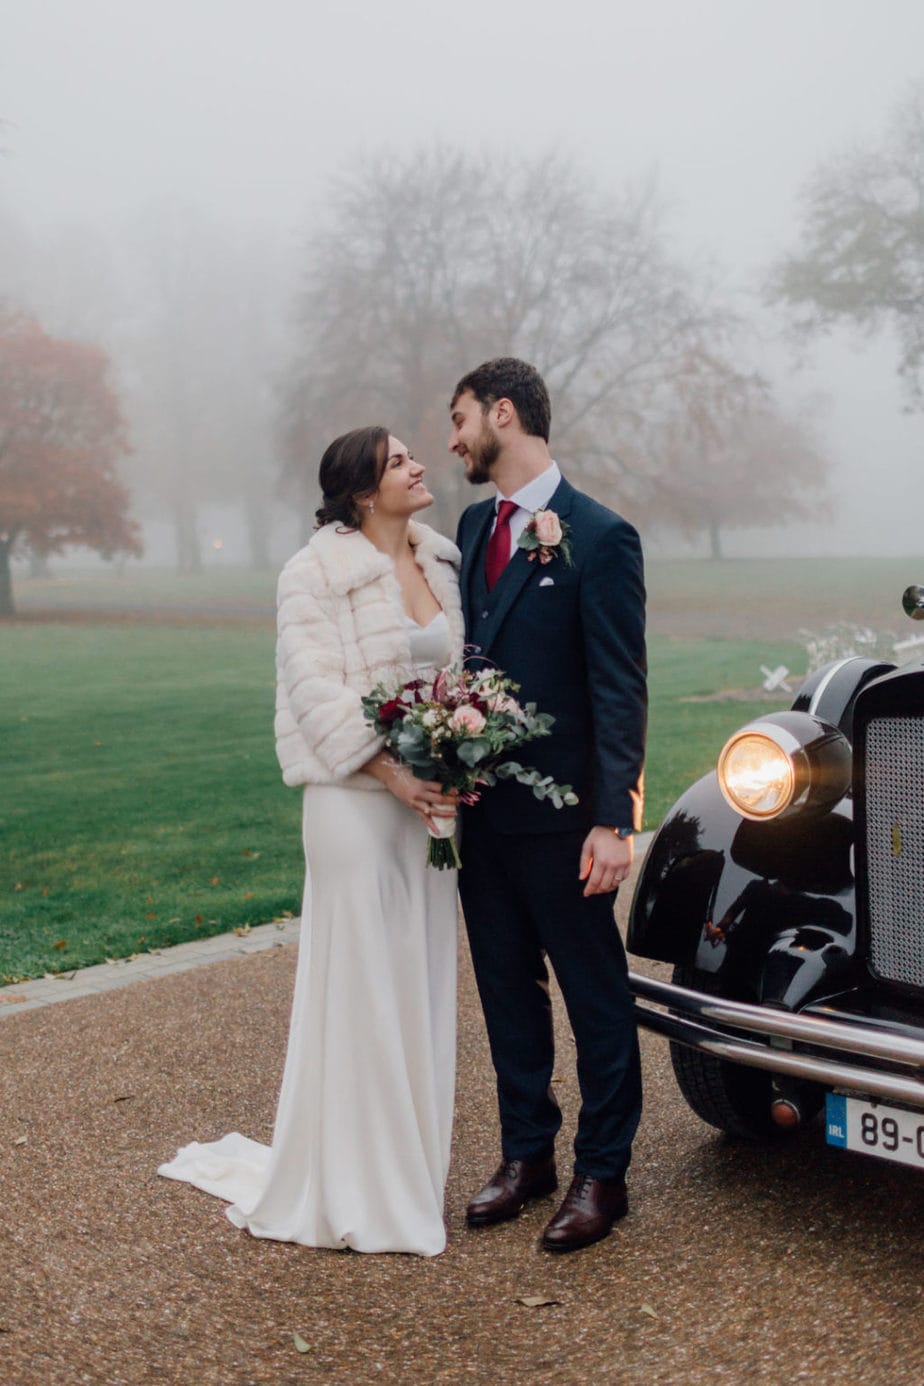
(115, 107)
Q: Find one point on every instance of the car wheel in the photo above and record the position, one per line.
(729, 1096)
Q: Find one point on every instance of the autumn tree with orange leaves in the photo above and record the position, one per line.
(61, 435)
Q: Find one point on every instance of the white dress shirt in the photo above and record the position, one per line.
(535, 495)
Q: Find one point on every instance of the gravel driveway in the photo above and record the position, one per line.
(734, 1264)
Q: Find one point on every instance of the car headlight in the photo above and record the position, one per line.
(784, 763)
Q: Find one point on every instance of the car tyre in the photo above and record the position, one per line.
(729, 1096)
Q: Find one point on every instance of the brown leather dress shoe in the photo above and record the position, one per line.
(590, 1208)
(513, 1184)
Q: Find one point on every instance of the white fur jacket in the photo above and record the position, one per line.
(341, 631)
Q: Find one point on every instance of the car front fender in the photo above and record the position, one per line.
(767, 907)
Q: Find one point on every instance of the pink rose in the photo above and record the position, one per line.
(468, 720)
(548, 527)
(502, 703)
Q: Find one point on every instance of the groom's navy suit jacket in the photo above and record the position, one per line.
(573, 637)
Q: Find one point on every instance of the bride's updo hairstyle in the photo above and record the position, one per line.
(352, 466)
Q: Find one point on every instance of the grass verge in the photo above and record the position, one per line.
(142, 804)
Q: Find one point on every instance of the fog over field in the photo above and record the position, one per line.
(168, 171)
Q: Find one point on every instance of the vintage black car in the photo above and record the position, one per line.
(787, 889)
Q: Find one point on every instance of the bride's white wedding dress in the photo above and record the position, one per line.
(361, 1141)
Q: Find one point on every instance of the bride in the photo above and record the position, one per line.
(360, 1148)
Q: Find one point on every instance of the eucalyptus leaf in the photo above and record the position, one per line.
(472, 752)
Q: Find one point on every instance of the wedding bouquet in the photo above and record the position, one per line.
(459, 730)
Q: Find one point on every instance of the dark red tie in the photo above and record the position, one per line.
(498, 553)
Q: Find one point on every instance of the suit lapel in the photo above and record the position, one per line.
(562, 499)
(471, 551)
(519, 570)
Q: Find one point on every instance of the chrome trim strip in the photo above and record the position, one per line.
(822, 687)
(809, 1029)
(753, 1055)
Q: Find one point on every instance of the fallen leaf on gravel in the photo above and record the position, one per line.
(300, 1344)
(242, 930)
(535, 1301)
(111, 961)
(647, 1309)
(126, 1097)
(21, 1140)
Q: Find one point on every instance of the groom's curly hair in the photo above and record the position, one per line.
(506, 377)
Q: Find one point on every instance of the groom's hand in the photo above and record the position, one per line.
(605, 861)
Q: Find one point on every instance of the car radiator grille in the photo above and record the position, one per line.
(895, 847)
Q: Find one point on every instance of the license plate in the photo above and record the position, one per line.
(875, 1128)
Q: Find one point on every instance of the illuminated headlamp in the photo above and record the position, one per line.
(784, 763)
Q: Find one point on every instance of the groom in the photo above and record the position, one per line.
(568, 625)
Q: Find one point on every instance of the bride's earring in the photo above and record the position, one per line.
(372, 507)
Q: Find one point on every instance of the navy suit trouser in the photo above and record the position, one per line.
(523, 903)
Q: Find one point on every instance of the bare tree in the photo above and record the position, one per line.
(862, 256)
(436, 261)
(728, 456)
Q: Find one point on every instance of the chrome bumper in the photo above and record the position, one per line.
(709, 1023)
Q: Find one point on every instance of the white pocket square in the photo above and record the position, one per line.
(546, 582)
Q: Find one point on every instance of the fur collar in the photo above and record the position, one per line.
(349, 560)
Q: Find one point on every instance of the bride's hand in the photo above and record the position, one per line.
(425, 797)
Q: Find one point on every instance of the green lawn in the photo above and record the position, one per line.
(142, 804)
(141, 800)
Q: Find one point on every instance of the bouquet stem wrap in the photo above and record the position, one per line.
(442, 851)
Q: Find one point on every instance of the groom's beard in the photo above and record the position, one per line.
(481, 458)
